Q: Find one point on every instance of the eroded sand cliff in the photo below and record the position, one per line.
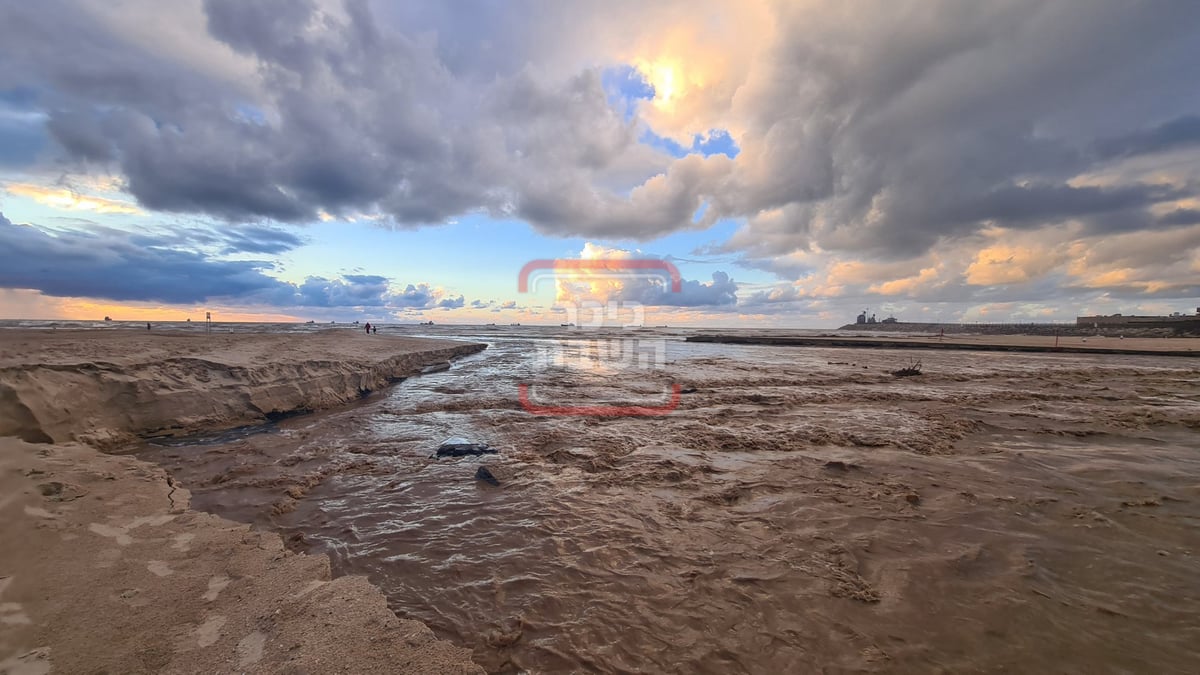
(104, 388)
(105, 568)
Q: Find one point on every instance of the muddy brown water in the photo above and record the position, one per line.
(801, 511)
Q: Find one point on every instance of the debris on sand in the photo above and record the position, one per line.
(839, 465)
(913, 368)
(461, 447)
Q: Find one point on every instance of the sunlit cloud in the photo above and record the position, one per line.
(915, 155)
(70, 200)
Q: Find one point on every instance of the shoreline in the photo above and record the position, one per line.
(107, 388)
(115, 571)
(988, 343)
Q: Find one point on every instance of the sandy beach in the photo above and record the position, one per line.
(801, 510)
(105, 566)
(107, 387)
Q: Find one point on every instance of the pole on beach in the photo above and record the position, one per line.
(208, 322)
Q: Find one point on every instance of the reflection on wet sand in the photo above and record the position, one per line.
(802, 509)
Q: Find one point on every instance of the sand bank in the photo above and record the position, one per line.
(106, 387)
(801, 511)
(104, 566)
(105, 569)
(983, 343)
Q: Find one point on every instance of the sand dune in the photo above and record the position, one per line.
(104, 388)
(105, 568)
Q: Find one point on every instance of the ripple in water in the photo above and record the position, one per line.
(802, 510)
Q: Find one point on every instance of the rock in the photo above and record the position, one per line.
(461, 447)
(688, 390)
(464, 450)
(436, 368)
(839, 465)
(494, 474)
(912, 498)
(61, 492)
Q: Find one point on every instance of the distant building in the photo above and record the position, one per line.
(862, 318)
(1175, 320)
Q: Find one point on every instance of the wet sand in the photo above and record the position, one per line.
(802, 511)
(105, 569)
(1187, 347)
(107, 387)
(103, 565)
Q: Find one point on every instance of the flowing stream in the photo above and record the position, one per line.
(800, 510)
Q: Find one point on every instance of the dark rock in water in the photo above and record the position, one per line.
(461, 447)
(495, 474)
(464, 449)
(436, 368)
(839, 465)
(484, 474)
(688, 390)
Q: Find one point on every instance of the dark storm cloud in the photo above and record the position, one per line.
(934, 119)
(1178, 133)
(1180, 217)
(340, 113)
(867, 130)
(172, 267)
(260, 239)
(106, 264)
(1041, 204)
(82, 135)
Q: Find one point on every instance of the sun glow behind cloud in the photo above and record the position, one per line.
(856, 154)
(601, 281)
(70, 200)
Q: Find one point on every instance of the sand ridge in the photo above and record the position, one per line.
(113, 573)
(1065, 344)
(104, 566)
(105, 387)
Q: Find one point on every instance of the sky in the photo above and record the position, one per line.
(797, 162)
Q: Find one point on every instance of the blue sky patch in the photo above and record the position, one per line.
(625, 86)
(716, 142)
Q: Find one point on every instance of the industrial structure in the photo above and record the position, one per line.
(1176, 320)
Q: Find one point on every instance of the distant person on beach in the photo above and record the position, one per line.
(374, 329)
(368, 328)
(147, 326)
